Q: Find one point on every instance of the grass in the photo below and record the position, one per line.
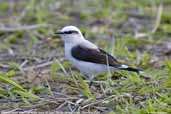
(35, 75)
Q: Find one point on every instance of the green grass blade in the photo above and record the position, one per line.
(26, 94)
(5, 79)
(85, 88)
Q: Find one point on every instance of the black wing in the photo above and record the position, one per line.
(98, 56)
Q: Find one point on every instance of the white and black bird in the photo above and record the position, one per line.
(86, 56)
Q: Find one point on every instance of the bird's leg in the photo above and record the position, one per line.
(90, 80)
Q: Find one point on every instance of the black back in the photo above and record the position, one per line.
(98, 56)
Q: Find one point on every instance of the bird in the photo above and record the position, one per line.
(88, 58)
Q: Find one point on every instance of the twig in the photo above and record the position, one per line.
(93, 103)
(24, 63)
(25, 108)
(158, 19)
(4, 66)
(61, 105)
(39, 66)
(23, 28)
(157, 23)
(64, 98)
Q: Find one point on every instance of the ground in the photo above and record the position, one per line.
(35, 76)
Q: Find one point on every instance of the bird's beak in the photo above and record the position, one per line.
(59, 33)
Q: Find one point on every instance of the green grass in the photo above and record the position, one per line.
(106, 23)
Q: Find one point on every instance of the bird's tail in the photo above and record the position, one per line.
(125, 67)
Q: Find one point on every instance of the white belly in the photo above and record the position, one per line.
(90, 69)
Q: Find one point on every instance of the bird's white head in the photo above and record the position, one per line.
(70, 34)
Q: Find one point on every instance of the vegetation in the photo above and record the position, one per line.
(34, 76)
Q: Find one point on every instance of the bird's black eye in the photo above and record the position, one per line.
(71, 32)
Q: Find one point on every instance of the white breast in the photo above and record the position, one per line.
(68, 48)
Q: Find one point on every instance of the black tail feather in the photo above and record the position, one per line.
(132, 69)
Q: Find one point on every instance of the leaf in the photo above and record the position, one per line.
(57, 66)
(5, 79)
(2, 91)
(19, 89)
(26, 94)
(15, 65)
(11, 73)
(168, 65)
